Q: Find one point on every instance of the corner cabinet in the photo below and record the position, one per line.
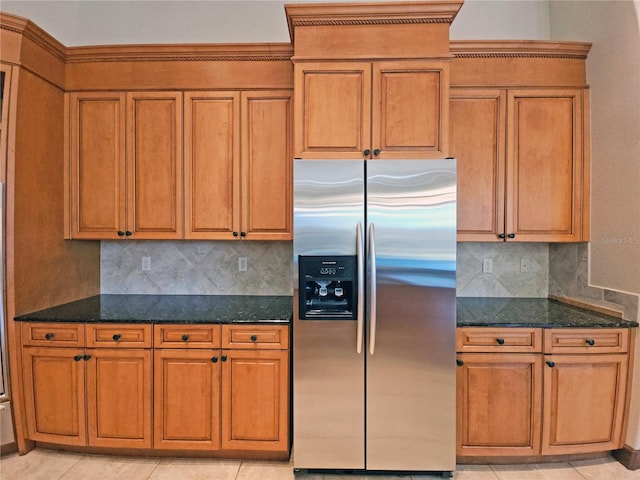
(125, 170)
(238, 165)
(380, 110)
(522, 171)
(517, 390)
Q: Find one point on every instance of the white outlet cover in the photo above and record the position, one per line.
(242, 264)
(146, 264)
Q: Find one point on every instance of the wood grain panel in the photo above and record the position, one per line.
(255, 337)
(267, 164)
(586, 340)
(186, 336)
(490, 339)
(477, 141)
(119, 336)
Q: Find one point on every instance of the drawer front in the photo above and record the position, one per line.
(488, 339)
(255, 336)
(119, 336)
(586, 340)
(53, 334)
(186, 336)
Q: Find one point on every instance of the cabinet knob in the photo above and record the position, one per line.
(459, 363)
(500, 341)
(591, 341)
(49, 336)
(214, 359)
(376, 151)
(551, 363)
(86, 357)
(77, 358)
(254, 338)
(512, 235)
(185, 337)
(116, 337)
(223, 358)
(120, 233)
(501, 235)
(128, 233)
(366, 152)
(235, 234)
(243, 234)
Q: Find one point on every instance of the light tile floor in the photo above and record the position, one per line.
(52, 465)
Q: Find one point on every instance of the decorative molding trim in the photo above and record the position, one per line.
(266, 52)
(31, 31)
(518, 49)
(392, 13)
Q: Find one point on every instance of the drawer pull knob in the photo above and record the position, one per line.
(459, 363)
(500, 341)
(214, 359)
(254, 338)
(116, 337)
(223, 358)
(86, 357)
(77, 358)
(185, 337)
(49, 336)
(591, 341)
(120, 233)
(512, 235)
(366, 152)
(551, 363)
(501, 235)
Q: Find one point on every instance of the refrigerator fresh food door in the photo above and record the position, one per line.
(328, 371)
(410, 367)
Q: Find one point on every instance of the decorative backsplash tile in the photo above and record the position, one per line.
(196, 268)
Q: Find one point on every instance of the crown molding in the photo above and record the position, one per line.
(518, 49)
(32, 32)
(392, 13)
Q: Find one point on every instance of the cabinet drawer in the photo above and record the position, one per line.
(586, 340)
(186, 336)
(120, 336)
(53, 334)
(255, 336)
(487, 339)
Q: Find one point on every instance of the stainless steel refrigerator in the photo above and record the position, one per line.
(374, 256)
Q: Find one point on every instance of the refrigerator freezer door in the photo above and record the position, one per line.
(411, 374)
(328, 371)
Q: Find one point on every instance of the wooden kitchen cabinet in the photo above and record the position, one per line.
(380, 110)
(125, 170)
(238, 165)
(521, 165)
(87, 396)
(255, 388)
(568, 397)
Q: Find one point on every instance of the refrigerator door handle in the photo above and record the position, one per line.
(372, 289)
(360, 311)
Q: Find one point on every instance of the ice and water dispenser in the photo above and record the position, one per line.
(328, 288)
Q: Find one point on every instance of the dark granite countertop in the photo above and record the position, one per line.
(170, 309)
(531, 312)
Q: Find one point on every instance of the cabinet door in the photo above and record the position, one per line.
(267, 164)
(545, 165)
(212, 159)
(255, 390)
(55, 395)
(332, 109)
(498, 404)
(584, 397)
(477, 141)
(410, 116)
(187, 399)
(119, 398)
(96, 136)
(154, 165)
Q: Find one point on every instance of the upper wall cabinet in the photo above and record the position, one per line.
(371, 110)
(238, 165)
(523, 163)
(125, 165)
(364, 88)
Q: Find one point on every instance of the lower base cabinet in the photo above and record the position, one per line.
(564, 392)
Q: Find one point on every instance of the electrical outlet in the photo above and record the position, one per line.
(242, 264)
(487, 265)
(525, 265)
(146, 264)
